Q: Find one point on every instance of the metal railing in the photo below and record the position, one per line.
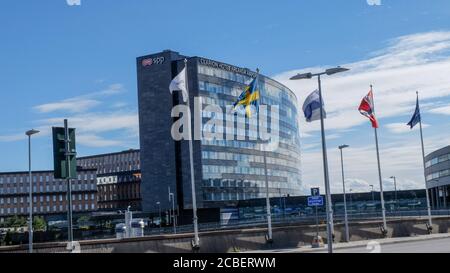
(287, 220)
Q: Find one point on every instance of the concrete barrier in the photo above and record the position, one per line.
(244, 240)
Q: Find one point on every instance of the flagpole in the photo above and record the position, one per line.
(326, 175)
(383, 209)
(269, 212)
(196, 242)
(430, 221)
(268, 208)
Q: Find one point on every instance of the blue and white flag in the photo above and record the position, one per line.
(311, 107)
(416, 117)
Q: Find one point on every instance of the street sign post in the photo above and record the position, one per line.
(316, 200)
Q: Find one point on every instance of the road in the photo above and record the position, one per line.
(438, 243)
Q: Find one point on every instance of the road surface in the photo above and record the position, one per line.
(438, 243)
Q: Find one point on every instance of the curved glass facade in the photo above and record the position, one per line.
(235, 169)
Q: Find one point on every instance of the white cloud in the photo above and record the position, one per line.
(410, 63)
(12, 138)
(81, 103)
(100, 122)
(418, 62)
(70, 105)
(402, 128)
(97, 141)
(445, 110)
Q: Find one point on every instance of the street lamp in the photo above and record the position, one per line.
(172, 198)
(30, 196)
(395, 189)
(373, 195)
(347, 235)
(351, 198)
(160, 219)
(310, 75)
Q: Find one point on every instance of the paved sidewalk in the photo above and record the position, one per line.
(409, 244)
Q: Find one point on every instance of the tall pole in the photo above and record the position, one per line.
(347, 235)
(395, 189)
(326, 176)
(196, 242)
(269, 213)
(30, 220)
(373, 195)
(69, 182)
(160, 219)
(430, 221)
(171, 198)
(383, 209)
(30, 196)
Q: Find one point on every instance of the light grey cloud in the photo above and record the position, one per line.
(409, 63)
(80, 104)
(12, 138)
(97, 141)
(401, 128)
(418, 62)
(100, 122)
(70, 105)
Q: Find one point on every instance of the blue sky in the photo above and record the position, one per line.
(54, 55)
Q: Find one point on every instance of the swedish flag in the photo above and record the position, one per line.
(249, 97)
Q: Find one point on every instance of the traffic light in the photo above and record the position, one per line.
(59, 154)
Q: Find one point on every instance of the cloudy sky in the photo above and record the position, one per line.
(78, 62)
(406, 64)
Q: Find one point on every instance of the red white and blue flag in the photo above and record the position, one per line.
(367, 109)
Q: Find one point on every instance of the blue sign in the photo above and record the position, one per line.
(315, 191)
(315, 201)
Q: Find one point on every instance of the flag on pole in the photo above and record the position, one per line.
(179, 84)
(416, 117)
(311, 107)
(367, 109)
(250, 97)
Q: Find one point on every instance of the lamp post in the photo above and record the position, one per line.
(172, 198)
(160, 219)
(373, 194)
(395, 189)
(351, 198)
(30, 220)
(347, 235)
(310, 75)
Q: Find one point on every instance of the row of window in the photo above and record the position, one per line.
(439, 174)
(234, 196)
(112, 163)
(46, 209)
(269, 88)
(54, 198)
(236, 92)
(22, 189)
(437, 160)
(245, 184)
(248, 158)
(24, 178)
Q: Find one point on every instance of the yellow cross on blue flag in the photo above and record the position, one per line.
(250, 97)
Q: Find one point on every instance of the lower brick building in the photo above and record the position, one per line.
(49, 194)
(118, 179)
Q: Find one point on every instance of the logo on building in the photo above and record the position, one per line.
(151, 61)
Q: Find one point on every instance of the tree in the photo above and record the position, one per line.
(15, 222)
(39, 224)
(83, 222)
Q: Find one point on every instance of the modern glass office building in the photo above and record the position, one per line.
(226, 169)
(437, 170)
